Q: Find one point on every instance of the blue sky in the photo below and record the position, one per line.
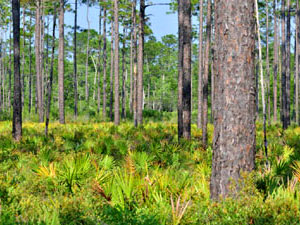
(161, 22)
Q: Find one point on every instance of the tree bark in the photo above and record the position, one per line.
(116, 64)
(200, 62)
(17, 112)
(39, 96)
(140, 64)
(111, 72)
(234, 115)
(51, 73)
(123, 113)
(297, 62)
(283, 68)
(275, 63)
(61, 65)
(267, 63)
(10, 68)
(87, 54)
(135, 61)
(99, 62)
(75, 63)
(104, 63)
(205, 77)
(288, 66)
(184, 69)
(23, 58)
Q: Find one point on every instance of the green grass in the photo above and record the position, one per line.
(97, 173)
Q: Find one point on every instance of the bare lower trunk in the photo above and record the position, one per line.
(116, 64)
(275, 64)
(234, 115)
(87, 55)
(123, 113)
(200, 62)
(111, 73)
(297, 62)
(75, 64)
(104, 63)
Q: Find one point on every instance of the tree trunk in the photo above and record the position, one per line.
(131, 64)
(75, 63)
(51, 73)
(283, 68)
(275, 63)
(99, 63)
(61, 64)
(123, 113)
(288, 66)
(116, 64)
(134, 64)
(297, 62)
(10, 68)
(200, 62)
(39, 96)
(87, 54)
(267, 63)
(111, 72)
(234, 115)
(17, 113)
(205, 77)
(104, 63)
(184, 69)
(140, 64)
(23, 58)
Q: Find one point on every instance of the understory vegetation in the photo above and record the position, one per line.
(98, 173)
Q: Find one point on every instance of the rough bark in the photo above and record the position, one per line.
(205, 77)
(200, 61)
(17, 108)
(288, 66)
(111, 72)
(184, 69)
(267, 63)
(134, 64)
(51, 73)
(61, 65)
(87, 54)
(116, 64)
(123, 112)
(234, 117)
(283, 68)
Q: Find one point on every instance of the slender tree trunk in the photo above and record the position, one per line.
(234, 115)
(75, 63)
(87, 54)
(116, 64)
(23, 58)
(104, 63)
(184, 69)
(123, 113)
(284, 68)
(297, 61)
(51, 73)
(267, 63)
(111, 72)
(131, 65)
(262, 82)
(140, 64)
(200, 62)
(61, 65)
(288, 66)
(134, 65)
(39, 97)
(99, 63)
(275, 63)
(17, 114)
(205, 77)
(10, 68)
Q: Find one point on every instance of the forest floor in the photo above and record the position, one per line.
(97, 173)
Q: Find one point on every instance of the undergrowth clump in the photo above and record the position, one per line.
(97, 173)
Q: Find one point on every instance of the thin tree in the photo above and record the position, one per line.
(134, 52)
(283, 68)
(99, 61)
(234, 115)
(184, 69)
(23, 58)
(51, 73)
(75, 62)
(140, 64)
(297, 61)
(275, 63)
(61, 65)
(200, 61)
(288, 66)
(111, 72)
(87, 53)
(116, 64)
(205, 76)
(17, 112)
(268, 63)
(104, 63)
(123, 112)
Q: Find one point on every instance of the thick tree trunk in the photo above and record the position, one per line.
(275, 63)
(234, 116)
(104, 64)
(200, 62)
(205, 77)
(116, 64)
(75, 63)
(184, 69)
(51, 73)
(17, 113)
(61, 65)
(140, 64)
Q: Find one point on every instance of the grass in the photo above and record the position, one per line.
(97, 173)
